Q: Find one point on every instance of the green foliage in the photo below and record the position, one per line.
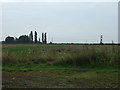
(9, 40)
(61, 54)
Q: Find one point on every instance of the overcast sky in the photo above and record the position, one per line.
(64, 22)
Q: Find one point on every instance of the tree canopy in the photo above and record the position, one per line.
(9, 40)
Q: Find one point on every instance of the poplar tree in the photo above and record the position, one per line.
(31, 36)
(39, 40)
(42, 37)
(35, 37)
(45, 37)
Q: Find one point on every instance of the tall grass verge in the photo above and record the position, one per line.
(66, 55)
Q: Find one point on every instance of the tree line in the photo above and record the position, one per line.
(27, 39)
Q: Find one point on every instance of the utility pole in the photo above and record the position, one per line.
(101, 37)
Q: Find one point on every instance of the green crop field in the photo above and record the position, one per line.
(60, 66)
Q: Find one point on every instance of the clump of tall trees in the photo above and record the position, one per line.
(27, 39)
(44, 38)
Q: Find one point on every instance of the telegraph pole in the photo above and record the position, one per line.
(101, 37)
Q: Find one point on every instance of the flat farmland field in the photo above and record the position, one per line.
(60, 66)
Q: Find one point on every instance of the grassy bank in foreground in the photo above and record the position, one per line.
(43, 76)
(61, 54)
